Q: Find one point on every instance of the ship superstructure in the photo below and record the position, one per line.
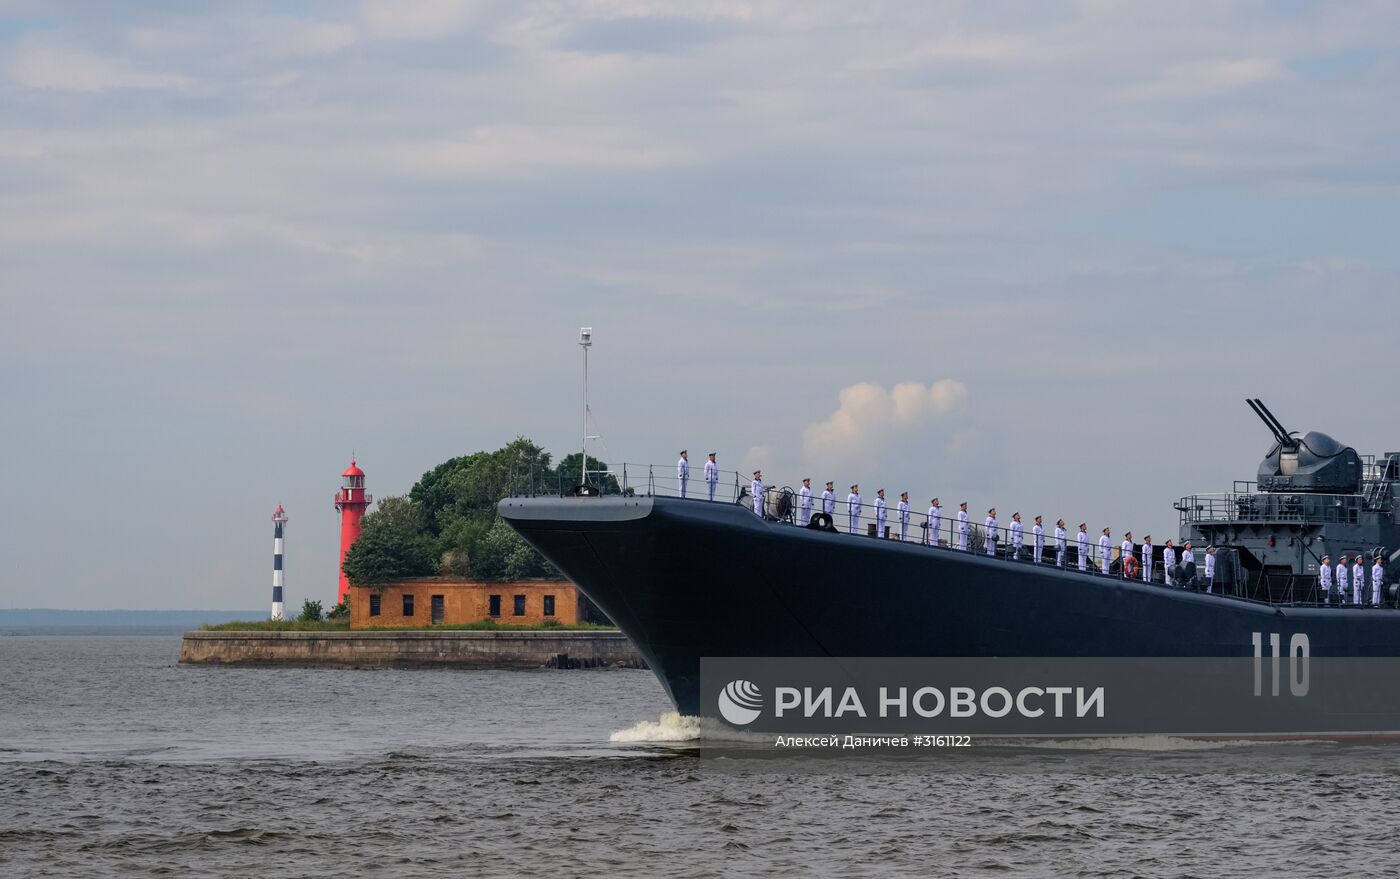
(1313, 496)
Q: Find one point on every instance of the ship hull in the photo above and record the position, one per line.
(688, 579)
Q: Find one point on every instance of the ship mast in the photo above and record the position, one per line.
(585, 341)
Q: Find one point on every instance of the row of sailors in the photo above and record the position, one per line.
(1337, 590)
(1016, 532)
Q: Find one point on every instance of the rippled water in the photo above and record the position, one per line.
(115, 761)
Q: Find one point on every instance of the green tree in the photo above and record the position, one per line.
(501, 554)
(310, 611)
(448, 523)
(470, 486)
(391, 545)
(457, 544)
(570, 474)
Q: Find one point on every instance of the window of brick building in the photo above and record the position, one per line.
(549, 605)
(495, 606)
(438, 610)
(520, 605)
(374, 605)
(408, 605)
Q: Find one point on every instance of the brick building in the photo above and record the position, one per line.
(445, 601)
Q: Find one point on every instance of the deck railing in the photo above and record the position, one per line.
(1249, 507)
(782, 504)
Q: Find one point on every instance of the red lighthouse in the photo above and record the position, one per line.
(350, 502)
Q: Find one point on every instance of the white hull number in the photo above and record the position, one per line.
(1299, 651)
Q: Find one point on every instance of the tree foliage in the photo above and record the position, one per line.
(469, 486)
(570, 474)
(391, 545)
(502, 555)
(447, 524)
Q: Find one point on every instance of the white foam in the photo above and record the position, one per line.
(671, 727)
(676, 727)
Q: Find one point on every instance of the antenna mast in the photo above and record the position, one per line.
(585, 341)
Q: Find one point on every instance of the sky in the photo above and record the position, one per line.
(1028, 254)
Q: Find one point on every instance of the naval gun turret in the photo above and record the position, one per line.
(1313, 498)
(1313, 463)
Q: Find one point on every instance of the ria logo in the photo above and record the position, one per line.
(740, 702)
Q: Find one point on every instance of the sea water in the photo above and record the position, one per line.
(114, 760)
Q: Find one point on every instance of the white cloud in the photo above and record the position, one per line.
(871, 420)
(514, 149)
(1205, 78)
(756, 458)
(305, 38)
(419, 20)
(42, 63)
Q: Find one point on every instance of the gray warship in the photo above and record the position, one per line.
(686, 577)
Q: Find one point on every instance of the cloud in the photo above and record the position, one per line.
(421, 20)
(1206, 78)
(495, 150)
(871, 421)
(42, 63)
(286, 36)
(756, 458)
(759, 203)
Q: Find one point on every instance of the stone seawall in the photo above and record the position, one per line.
(417, 649)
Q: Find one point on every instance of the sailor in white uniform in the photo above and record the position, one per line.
(1377, 578)
(991, 541)
(1358, 579)
(1083, 539)
(935, 520)
(1125, 552)
(1324, 579)
(1147, 558)
(1061, 543)
(1188, 556)
(853, 507)
(962, 526)
(1342, 591)
(1038, 535)
(711, 475)
(1210, 568)
(1168, 560)
(683, 471)
(757, 488)
(880, 513)
(1018, 535)
(804, 502)
(829, 499)
(903, 510)
(1105, 550)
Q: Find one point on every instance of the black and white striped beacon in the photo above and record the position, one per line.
(279, 519)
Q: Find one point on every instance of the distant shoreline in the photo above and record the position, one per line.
(50, 618)
(134, 631)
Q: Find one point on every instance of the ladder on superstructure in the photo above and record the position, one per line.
(1376, 490)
